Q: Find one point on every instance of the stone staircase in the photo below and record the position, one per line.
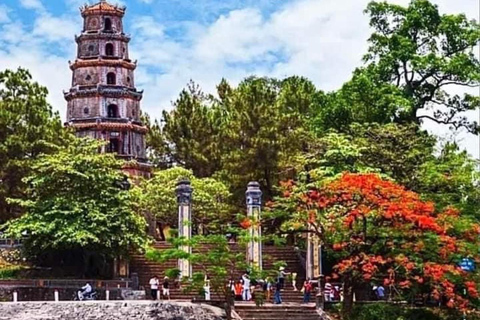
(146, 268)
(276, 312)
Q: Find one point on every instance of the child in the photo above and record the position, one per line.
(166, 289)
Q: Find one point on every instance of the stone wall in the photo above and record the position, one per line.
(101, 310)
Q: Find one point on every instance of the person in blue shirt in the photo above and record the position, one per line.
(380, 291)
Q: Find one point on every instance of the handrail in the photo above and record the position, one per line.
(66, 283)
(10, 243)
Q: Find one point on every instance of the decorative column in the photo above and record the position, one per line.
(254, 204)
(314, 256)
(184, 199)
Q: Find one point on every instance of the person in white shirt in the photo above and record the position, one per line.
(328, 291)
(154, 283)
(86, 290)
(206, 288)
(246, 294)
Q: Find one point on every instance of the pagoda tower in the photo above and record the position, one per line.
(103, 102)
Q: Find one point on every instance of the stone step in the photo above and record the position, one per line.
(275, 312)
(146, 268)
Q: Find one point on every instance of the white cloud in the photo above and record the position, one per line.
(32, 4)
(4, 10)
(53, 28)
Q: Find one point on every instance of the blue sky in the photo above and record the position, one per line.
(204, 40)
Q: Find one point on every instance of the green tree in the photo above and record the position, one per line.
(190, 133)
(157, 147)
(28, 128)
(366, 98)
(397, 151)
(394, 150)
(423, 53)
(75, 203)
(451, 178)
(210, 197)
(265, 125)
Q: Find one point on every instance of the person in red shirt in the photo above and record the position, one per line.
(307, 290)
(238, 291)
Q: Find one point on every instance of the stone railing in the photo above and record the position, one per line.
(65, 283)
(10, 243)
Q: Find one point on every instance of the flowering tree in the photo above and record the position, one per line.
(379, 231)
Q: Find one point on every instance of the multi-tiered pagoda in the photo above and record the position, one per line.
(103, 102)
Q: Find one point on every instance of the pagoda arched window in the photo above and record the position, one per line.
(111, 78)
(108, 24)
(109, 49)
(112, 111)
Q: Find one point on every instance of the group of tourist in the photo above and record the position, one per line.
(332, 292)
(154, 286)
(245, 288)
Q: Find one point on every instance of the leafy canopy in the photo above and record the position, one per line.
(210, 199)
(379, 231)
(74, 202)
(424, 53)
(28, 128)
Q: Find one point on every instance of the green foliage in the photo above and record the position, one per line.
(210, 198)
(395, 150)
(28, 128)
(155, 142)
(384, 311)
(423, 52)
(364, 99)
(190, 133)
(74, 202)
(10, 272)
(266, 124)
(213, 257)
(250, 132)
(451, 178)
(378, 311)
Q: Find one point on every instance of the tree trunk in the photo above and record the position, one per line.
(348, 291)
(229, 302)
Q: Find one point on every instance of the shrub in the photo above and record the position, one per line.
(10, 272)
(377, 311)
(385, 311)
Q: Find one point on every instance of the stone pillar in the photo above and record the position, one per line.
(314, 256)
(254, 204)
(184, 199)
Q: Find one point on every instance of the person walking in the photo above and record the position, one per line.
(154, 283)
(277, 297)
(307, 291)
(166, 289)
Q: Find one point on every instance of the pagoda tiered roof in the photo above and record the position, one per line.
(103, 7)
